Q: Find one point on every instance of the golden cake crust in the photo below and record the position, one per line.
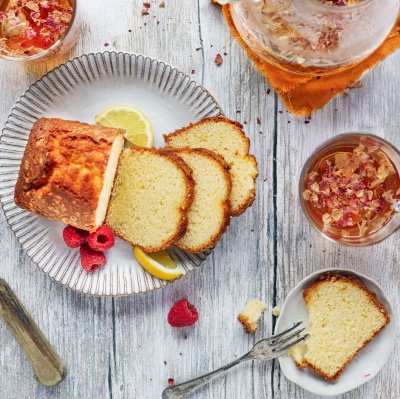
(333, 276)
(248, 327)
(62, 170)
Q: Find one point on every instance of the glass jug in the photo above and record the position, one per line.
(314, 36)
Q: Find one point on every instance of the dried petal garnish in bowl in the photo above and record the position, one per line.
(31, 28)
(350, 189)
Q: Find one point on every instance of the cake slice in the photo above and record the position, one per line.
(227, 139)
(67, 171)
(251, 313)
(152, 193)
(209, 214)
(343, 318)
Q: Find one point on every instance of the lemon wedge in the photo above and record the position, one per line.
(158, 264)
(138, 129)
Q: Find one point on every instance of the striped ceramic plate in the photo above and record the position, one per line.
(78, 90)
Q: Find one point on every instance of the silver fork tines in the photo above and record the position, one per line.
(266, 349)
(274, 337)
(275, 344)
(284, 349)
(272, 347)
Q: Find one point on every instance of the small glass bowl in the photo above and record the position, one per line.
(347, 142)
(61, 46)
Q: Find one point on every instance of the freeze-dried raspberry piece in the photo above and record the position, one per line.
(101, 239)
(74, 237)
(182, 314)
(91, 260)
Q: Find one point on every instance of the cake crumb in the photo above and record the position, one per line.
(251, 314)
(276, 311)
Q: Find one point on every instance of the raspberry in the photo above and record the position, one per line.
(101, 239)
(91, 260)
(74, 237)
(182, 314)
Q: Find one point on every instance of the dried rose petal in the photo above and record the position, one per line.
(341, 160)
(45, 3)
(376, 183)
(307, 194)
(376, 204)
(37, 18)
(362, 227)
(383, 171)
(388, 196)
(361, 155)
(14, 25)
(32, 6)
(372, 149)
(356, 85)
(385, 160)
(326, 218)
(314, 198)
(29, 33)
(337, 214)
(218, 60)
(314, 187)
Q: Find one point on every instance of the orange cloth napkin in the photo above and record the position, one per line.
(304, 94)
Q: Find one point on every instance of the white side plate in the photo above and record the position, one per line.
(362, 368)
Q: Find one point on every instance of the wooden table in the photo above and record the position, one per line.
(123, 347)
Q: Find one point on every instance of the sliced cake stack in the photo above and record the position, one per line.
(183, 195)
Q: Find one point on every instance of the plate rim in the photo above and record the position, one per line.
(136, 56)
(382, 295)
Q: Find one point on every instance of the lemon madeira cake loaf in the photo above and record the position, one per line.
(209, 214)
(343, 318)
(227, 139)
(67, 171)
(152, 193)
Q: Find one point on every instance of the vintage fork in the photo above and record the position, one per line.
(266, 349)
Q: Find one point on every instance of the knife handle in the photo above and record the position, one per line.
(48, 367)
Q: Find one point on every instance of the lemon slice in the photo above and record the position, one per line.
(158, 264)
(138, 129)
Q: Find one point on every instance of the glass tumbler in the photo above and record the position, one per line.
(60, 46)
(354, 178)
(314, 36)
